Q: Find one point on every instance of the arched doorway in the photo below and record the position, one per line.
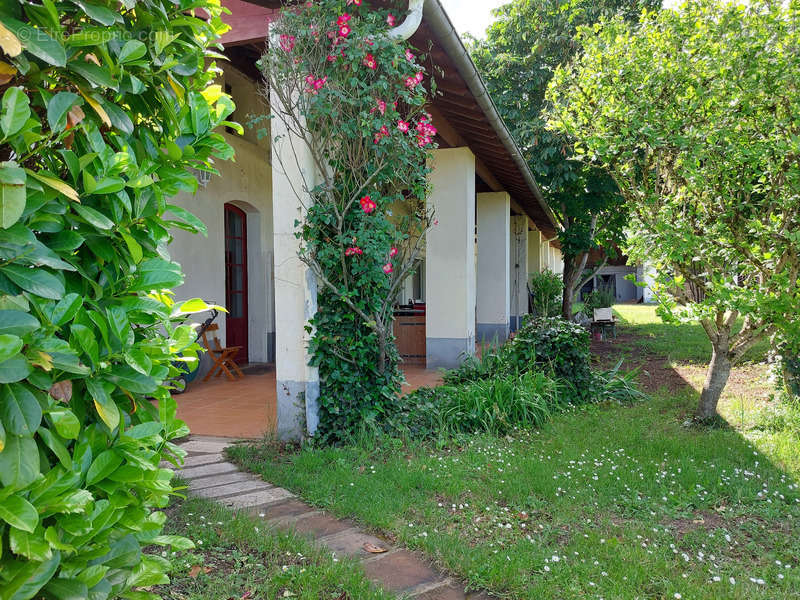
(236, 281)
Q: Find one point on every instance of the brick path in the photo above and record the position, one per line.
(398, 570)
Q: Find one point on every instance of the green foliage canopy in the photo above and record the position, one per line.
(523, 48)
(695, 115)
(104, 106)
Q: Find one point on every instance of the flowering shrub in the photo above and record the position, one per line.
(105, 106)
(355, 98)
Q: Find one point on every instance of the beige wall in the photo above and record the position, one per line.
(245, 181)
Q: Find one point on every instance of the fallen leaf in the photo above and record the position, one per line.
(197, 569)
(44, 361)
(247, 594)
(62, 390)
(92, 58)
(373, 549)
(75, 116)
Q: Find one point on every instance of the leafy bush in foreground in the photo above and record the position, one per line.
(106, 105)
(546, 289)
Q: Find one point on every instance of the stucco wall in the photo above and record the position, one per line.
(246, 182)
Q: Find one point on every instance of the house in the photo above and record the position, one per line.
(495, 228)
(628, 282)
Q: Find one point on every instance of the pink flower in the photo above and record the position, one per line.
(356, 2)
(343, 20)
(390, 20)
(425, 132)
(380, 107)
(353, 250)
(287, 42)
(370, 62)
(368, 204)
(414, 81)
(403, 126)
(388, 268)
(410, 56)
(344, 30)
(393, 252)
(320, 82)
(331, 58)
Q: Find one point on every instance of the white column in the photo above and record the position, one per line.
(494, 286)
(295, 285)
(519, 270)
(450, 259)
(535, 263)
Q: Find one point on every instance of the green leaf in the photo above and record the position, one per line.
(128, 379)
(9, 346)
(101, 14)
(65, 423)
(36, 281)
(109, 185)
(12, 204)
(37, 42)
(15, 111)
(201, 116)
(93, 217)
(139, 361)
(19, 513)
(29, 544)
(86, 340)
(156, 274)
(133, 247)
(16, 322)
(187, 217)
(99, 77)
(105, 464)
(65, 310)
(66, 589)
(32, 578)
(57, 446)
(20, 410)
(56, 184)
(14, 369)
(177, 542)
(105, 406)
(2, 436)
(132, 50)
(19, 462)
(57, 109)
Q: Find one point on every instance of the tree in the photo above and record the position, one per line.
(353, 97)
(695, 115)
(105, 106)
(529, 40)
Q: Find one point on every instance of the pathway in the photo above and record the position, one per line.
(397, 570)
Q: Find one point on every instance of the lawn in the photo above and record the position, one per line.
(236, 557)
(603, 502)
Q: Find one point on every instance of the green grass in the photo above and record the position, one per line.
(675, 342)
(603, 502)
(235, 556)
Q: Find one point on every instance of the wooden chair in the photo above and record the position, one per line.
(604, 320)
(224, 358)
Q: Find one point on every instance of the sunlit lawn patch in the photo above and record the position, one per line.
(605, 501)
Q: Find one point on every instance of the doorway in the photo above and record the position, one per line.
(236, 323)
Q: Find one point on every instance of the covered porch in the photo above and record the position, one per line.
(247, 408)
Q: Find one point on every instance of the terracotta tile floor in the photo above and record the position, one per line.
(247, 408)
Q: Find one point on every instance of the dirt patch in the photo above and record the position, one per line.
(705, 520)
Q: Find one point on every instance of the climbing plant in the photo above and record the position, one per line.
(353, 96)
(105, 105)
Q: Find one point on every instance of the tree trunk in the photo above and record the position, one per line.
(571, 275)
(718, 373)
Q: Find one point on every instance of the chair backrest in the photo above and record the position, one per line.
(603, 314)
(212, 327)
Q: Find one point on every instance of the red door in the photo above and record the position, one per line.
(236, 280)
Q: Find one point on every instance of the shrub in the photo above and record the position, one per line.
(106, 105)
(494, 405)
(613, 386)
(554, 344)
(602, 297)
(546, 289)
